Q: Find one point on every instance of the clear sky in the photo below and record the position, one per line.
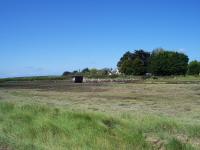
(47, 37)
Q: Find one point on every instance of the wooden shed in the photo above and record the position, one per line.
(78, 79)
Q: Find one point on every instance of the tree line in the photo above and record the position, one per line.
(159, 62)
(93, 72)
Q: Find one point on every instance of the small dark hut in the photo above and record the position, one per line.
(78, 79)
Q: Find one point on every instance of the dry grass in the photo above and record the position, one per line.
(179, 100)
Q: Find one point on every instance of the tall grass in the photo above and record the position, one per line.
(40, 127)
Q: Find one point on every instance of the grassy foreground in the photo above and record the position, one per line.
(42, 127)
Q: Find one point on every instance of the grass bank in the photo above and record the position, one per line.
(41, 127)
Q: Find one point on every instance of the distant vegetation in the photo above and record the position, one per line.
(160, 62)
(134, 63)
(194, 68)
(95, 73)
(164, 63)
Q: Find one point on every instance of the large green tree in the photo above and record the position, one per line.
(168, 63)
(134, 63)
(194, 68)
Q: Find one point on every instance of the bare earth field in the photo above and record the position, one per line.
(178, 101)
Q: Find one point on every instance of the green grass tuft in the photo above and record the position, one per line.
(175, 144)
(37, 127)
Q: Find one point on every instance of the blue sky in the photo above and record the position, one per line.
(47, 37)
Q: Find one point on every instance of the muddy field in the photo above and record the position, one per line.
(90, 86)
(62, 86)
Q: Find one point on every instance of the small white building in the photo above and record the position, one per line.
(114, 72)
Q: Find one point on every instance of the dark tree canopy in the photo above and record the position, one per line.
(160, 62)
(194, 68)
(126, 56)
(168, 63)
(127, 67)
(139, 67)
(134, 63)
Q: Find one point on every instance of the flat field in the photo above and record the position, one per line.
(57, 114)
